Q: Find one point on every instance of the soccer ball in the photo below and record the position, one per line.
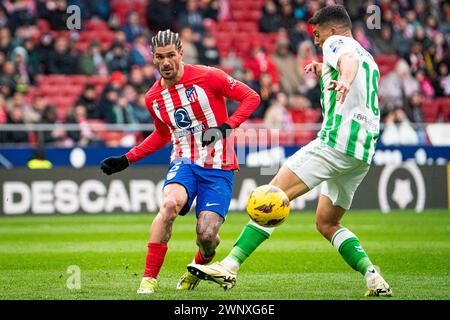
(268, 206)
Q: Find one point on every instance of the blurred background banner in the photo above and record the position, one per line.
(88, 191)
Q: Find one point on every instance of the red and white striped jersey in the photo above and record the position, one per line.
(183, 111)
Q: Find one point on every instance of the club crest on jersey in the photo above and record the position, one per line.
(191, 94)
(335, 45)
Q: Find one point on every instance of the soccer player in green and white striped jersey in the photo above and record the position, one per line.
(339, 157)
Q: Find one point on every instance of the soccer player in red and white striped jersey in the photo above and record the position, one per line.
(188, 108)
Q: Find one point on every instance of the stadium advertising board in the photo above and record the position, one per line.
(138, 189)
(254, 157)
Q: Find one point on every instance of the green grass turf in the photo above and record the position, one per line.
(411, 249)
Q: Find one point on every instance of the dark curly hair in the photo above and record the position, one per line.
(334, 14)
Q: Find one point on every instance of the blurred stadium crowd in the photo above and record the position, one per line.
(100, 73)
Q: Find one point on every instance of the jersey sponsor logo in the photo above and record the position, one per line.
(191, 94)
(189, 131)
(335, 45)
(232, 82)
(182, 118)
(372, 124)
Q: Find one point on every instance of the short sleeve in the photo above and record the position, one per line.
(333, 48)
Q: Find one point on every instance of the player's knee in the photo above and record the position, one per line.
(170, 208)
(207, 238)
(325, 227)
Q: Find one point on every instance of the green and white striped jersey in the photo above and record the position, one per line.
(351, 127)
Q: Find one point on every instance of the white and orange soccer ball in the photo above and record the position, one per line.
(268, 206)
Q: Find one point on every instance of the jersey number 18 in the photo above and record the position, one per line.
(371, 81)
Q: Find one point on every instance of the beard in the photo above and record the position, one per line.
(169, 73)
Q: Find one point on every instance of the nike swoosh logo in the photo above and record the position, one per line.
(212, 204)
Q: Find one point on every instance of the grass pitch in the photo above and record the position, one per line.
(412, 250)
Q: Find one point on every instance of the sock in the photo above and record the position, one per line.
(370, 273)
(155, 258)
(351, 250)
(250, 238)
(199, 259)
(231, 264)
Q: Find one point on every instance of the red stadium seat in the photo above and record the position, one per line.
(444, 108)
(312, 115)
(77, 79)
(60, 34)
(223, 37)
(95, 25)
(63, 105)
(430, 110)
(384, 69)
(104, 35)
(46, 90)
(446, 113)
(249, 37)
(227, 26)
(73, 90)
(240, 15)
(237, 5)
(43, 25)
(386, 59)
(82, 46)
(53, 79)
(297, 115)
(243, 49)
(286, 138)
(303, 137)
(98, 80)
(254, 5)
(269, 47)
(224, 52)
(305, 115)
(105, 46)
(247, 26)
(254, 15)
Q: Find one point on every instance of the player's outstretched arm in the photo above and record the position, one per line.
(155, 141)
(152, 143)
(348, 65)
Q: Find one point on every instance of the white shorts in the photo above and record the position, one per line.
(341, 174)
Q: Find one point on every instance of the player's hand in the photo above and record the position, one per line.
(342, 89)
(315, 67)
(114, 164)
(214, 134)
